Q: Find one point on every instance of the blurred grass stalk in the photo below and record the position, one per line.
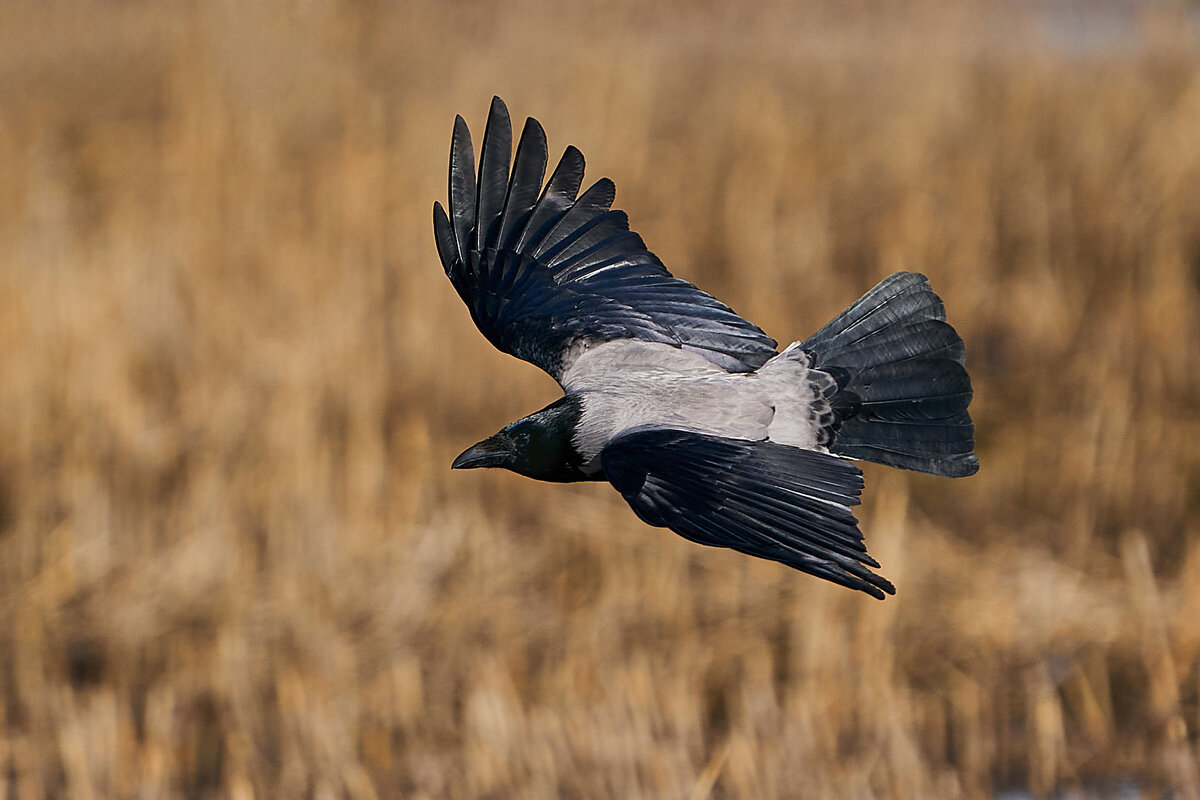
(233, 561)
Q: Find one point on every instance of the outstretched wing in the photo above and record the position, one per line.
(760, 498)
(545, 272)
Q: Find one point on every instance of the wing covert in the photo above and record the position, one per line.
(545, 271)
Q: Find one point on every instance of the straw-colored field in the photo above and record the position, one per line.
(234, 562)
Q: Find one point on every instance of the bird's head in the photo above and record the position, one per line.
(538, 446)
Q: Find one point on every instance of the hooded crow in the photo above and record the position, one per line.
(684, 407)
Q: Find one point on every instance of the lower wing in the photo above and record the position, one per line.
(760, 498)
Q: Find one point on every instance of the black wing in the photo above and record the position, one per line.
(760, 498)
(542, 270)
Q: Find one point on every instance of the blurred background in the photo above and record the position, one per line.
(234, 562)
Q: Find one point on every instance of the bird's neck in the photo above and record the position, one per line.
(551, 455)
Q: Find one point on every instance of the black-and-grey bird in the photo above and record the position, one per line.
(682, 405)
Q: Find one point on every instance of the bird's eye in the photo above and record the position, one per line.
(521, 438)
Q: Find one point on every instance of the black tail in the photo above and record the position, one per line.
(902, 389)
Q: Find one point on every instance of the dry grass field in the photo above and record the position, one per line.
(234, 562)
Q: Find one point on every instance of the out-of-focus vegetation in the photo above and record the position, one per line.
(234, 563)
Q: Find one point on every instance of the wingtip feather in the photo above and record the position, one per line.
(556, 198)
(443, 236)
(462, 185)
(492, 185)
(525, 183)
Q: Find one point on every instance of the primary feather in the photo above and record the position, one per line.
(547, 279)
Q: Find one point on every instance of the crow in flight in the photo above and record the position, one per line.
(683, 406)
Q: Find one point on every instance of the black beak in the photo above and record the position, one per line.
(493, 452)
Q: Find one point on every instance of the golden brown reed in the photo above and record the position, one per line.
(233, 562)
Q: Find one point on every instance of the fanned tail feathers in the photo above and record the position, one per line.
(903, 391)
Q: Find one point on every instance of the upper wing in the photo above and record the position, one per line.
(760, 498)
(543, 271)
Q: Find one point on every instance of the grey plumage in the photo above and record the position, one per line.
(684, 406)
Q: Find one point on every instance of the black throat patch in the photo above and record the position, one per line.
(543, 446)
